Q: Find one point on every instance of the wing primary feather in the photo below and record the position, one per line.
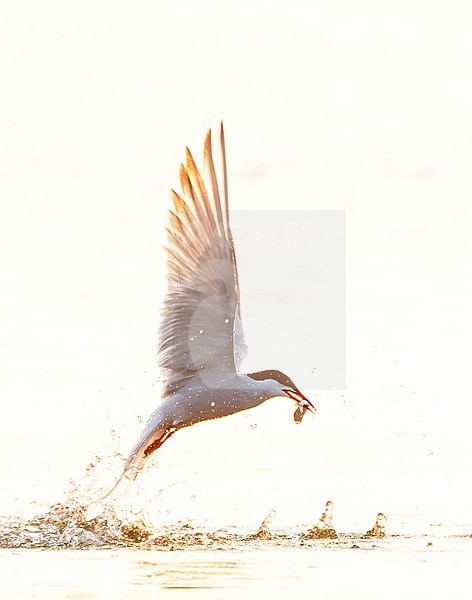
(190, 195)
(225, 177)
(185, 259)
(209, 170)
(226, 205)
(184, 251)
(199, 188)
(182, 207)
(185, 231)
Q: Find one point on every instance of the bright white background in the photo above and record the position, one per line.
(363, 107)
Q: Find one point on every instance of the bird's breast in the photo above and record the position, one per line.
(195, 405)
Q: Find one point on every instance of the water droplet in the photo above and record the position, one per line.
(201, 330)
(212, 404)
(226, 320)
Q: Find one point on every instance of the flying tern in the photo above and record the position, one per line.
(201, 341)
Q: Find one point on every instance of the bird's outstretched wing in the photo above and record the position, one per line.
(201, 333)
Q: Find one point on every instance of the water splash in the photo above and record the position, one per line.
(264, 532)
(129, 520)
(378, 530)
(324, 529)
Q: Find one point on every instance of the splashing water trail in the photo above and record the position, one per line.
(80, 522)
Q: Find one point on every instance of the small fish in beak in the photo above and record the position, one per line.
(299, 413)
(303, 407)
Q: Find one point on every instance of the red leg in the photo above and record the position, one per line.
(157, 443)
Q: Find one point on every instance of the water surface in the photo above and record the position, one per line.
(404, 568)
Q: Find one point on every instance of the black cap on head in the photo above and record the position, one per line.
(276, 376)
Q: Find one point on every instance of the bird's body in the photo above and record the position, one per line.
(196, 403)
(201, 340)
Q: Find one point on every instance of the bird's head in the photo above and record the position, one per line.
(282, 385)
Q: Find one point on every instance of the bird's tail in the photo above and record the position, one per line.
(152, 438)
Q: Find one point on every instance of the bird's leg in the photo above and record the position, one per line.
(157, 443)
(137, 457)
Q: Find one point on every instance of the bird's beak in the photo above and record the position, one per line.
(307, 405)
(301, 400)
(303, 403)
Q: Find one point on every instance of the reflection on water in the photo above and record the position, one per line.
(397, 567)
